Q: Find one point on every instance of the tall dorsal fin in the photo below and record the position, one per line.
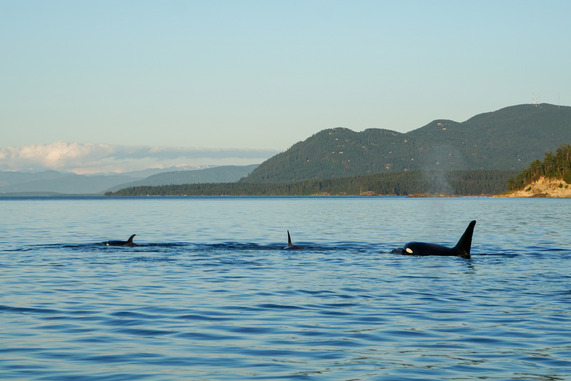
(288, 239)
(130, 240)
(465, 242)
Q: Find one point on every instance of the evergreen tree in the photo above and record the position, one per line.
(553, 166)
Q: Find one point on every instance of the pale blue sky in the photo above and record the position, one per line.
(266, 74)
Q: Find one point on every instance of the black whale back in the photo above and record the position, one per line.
(462, 248)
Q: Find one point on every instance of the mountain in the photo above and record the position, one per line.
(143, 173)
(221, 174)
(52, 183)
(507, 139)
(9, 178)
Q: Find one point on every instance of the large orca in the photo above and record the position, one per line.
(291, 246)
(129, 242)
(462, 248)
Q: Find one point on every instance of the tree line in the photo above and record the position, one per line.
(456, 183)
(554, 166)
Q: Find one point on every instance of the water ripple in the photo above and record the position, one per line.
(217, 308)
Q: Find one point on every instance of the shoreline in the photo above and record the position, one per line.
(542, 188)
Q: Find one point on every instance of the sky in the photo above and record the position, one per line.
(234, 82)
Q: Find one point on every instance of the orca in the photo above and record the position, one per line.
(129, 242)
(462, 248)
(291, 246)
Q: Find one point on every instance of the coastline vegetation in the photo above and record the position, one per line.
(406, 183)
(554, 166)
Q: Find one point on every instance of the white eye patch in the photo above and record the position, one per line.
(409, 250)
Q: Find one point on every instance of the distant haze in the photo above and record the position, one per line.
(89, 158)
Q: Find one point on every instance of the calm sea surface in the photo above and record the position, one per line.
(213, 295)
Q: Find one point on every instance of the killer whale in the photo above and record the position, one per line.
(128, 242)
(462, 248)
(290, 245)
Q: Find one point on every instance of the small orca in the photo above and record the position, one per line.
(462, 248)
(129, 242)
(291, 246)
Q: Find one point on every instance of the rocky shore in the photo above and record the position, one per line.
(544, 188)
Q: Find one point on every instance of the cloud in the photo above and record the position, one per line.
(85, 158)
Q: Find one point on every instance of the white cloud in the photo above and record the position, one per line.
(84, 158)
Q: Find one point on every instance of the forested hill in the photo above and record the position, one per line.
(221, 174)
(507, 139)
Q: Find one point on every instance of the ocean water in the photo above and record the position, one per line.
(212, 295)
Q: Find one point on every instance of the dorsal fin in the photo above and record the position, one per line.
(465, 242)
(288, 239)
(130, 240)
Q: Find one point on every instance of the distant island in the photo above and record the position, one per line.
(444, 157)
(548, 178)
(61, 184)
(471, 158)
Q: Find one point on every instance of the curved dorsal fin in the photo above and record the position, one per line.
(130, 240)
(464, 244)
